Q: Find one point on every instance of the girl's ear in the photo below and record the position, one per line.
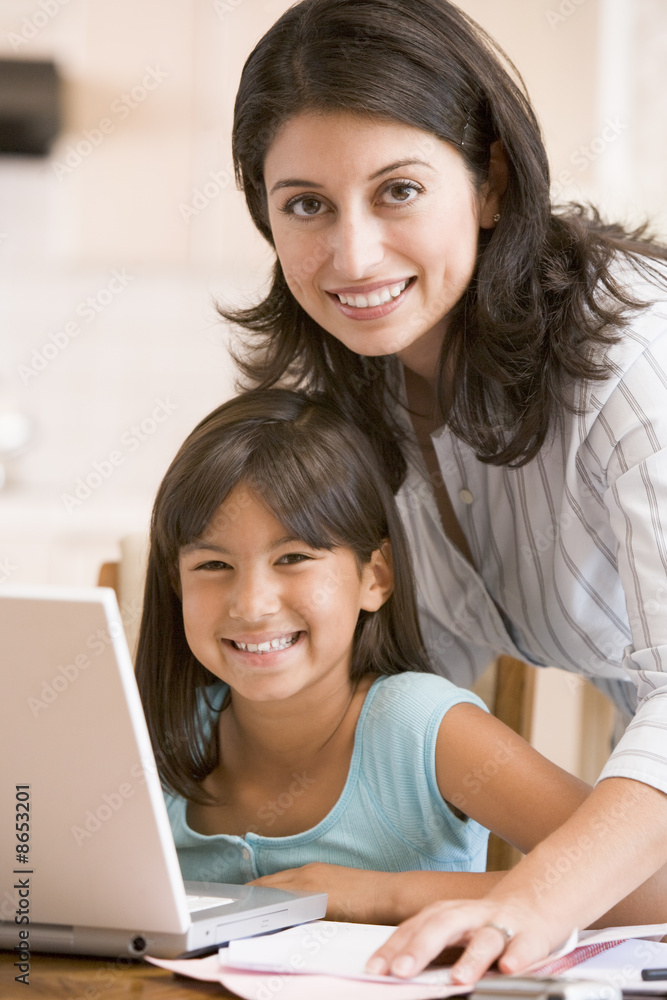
(377, 578)
(494, 188)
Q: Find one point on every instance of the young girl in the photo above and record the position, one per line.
(301, 737)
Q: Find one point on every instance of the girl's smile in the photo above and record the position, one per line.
(267, 613)
(264, 651)
(266, 645)
(376, 226)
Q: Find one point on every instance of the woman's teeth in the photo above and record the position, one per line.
(377, 298)
(267, 647)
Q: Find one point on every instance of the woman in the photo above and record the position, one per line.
(507, 361)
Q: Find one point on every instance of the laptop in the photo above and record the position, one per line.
(88, 862)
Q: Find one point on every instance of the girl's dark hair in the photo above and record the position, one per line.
(545, 300)
(317, 474)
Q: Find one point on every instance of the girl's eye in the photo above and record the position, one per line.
(304, 206)
(400, 192)
(292, 558)
(214, 564)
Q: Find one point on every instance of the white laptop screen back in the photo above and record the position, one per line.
(51, 677)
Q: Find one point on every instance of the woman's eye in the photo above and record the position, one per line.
(400, 192)
(214, 564)
(304, 207)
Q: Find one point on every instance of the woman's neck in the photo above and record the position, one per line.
(422, 358)
(425, 412)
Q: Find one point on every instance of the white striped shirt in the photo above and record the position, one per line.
(570, 549)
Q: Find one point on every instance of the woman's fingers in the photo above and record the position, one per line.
(490, 933)
(485, 946)
(419, 940)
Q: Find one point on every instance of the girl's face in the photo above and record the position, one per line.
(266, 613)
(376, 227)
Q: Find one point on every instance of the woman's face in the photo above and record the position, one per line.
(376, 227)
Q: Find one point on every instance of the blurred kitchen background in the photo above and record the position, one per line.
(114, 246)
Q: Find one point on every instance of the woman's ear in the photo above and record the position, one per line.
(377, 578)
(494, 187)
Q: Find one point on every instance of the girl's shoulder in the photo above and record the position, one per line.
(414, 701)
(396, 748)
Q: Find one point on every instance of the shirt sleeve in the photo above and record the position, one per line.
(631, 432)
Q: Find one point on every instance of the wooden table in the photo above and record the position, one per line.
(63, 977)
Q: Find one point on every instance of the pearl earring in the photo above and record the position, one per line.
(496, 217)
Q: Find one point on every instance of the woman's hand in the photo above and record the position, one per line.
(478, 926)
(614, 842)
(353, 892)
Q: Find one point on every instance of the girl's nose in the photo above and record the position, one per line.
(253, 598)
(356, 245)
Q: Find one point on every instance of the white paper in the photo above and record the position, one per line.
(269, 985)
(325, 951)
(655, 931)
(333, 948)
(324, 947)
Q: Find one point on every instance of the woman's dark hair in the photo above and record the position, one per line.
(545, 300)
(318, 475)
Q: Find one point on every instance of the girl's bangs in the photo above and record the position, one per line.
(311, 496)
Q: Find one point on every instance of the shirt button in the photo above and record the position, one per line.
(465, 496)
(246, 853)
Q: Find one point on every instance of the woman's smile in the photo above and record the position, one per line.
(372, 301)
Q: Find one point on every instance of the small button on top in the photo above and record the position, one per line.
(465, 496)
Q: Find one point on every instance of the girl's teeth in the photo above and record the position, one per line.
(376, 298)
(267, 647)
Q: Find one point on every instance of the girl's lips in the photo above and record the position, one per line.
(371, 312)
(262, 658)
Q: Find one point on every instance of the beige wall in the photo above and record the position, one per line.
(125, 201)
(149, 86)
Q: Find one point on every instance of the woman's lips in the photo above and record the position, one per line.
(372, 311)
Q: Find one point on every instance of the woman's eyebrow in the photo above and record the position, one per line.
(294, 182)
(298, 182)
(400, 163)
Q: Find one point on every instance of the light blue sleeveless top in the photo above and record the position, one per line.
(390, 816)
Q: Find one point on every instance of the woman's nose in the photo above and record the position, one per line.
(356, 245)
(253, 597)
